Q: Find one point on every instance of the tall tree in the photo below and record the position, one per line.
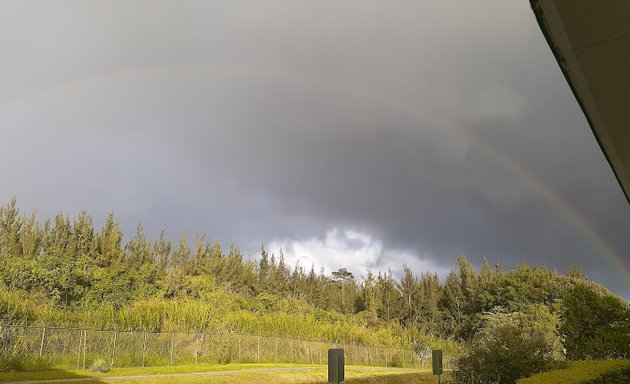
(181, 254)
(31, 238)
(10, 226)
(138, 250)
(109, 243)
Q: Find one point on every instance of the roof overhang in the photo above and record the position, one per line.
(591, 42)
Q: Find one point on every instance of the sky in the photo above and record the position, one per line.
(354, 134)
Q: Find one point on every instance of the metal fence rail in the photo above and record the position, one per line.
(77, 348)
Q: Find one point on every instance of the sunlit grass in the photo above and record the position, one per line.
(312, 374)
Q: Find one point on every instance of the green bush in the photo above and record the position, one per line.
(579, 372)
(621, 376)
(396, 361)
(511, 346)
(13, 364)
(596, 324)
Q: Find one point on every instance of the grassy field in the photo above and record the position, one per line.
(577, 372)
(228, 374)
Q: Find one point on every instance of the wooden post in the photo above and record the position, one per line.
(114, 347)
(41, 345)
(239, 349)
(170, 358)
(276, 340)
(144, 347)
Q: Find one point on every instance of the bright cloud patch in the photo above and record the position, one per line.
(358, 252)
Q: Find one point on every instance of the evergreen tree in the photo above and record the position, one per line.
(263, 269)
(181, 254)
(109, 243)
(31, 238)
(408, 287)
(138, 250)
(162, 249)
(10, 226)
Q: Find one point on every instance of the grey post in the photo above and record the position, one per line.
(336, 365)
(436, 360)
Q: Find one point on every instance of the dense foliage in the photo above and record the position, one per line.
(510, 346)
(596, 325)
(65, 272)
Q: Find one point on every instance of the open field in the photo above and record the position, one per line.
(227, 374)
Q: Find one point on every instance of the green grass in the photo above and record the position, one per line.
(130, 371)
(577, 372)
(354, 375)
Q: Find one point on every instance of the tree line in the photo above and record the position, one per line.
(75, 266)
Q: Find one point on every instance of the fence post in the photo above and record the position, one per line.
(276, 340)
(258, 351)
(144, 347)
(84, 346)
(114, 347)
(79, 349)
(170, 357)
(196, 339)
(41, 345)
(310, 353)
(239, 349)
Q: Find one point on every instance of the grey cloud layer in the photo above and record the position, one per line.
(259, 121)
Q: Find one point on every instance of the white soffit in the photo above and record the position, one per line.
(591, 42)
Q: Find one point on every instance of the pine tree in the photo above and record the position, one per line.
(31, 238)
(138, 250)
(84, 240)
(408, 287)
(263, 269)
(162, 249)
(109, 243)
(10, 226)
(181, 254)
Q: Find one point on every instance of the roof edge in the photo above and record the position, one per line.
(544, 27)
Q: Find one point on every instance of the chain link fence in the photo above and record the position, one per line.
(77, 348)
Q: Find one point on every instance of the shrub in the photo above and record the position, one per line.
(621, 376)
(396, 361)
(13, 364)
(511, 346)
(100, 366)
(595, 324)
(578, 372)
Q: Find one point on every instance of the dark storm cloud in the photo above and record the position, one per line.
(278, 121)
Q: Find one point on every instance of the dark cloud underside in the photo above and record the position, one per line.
(281, 120)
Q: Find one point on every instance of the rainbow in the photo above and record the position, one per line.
(572, 216)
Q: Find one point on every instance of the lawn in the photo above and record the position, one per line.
(241, 374)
